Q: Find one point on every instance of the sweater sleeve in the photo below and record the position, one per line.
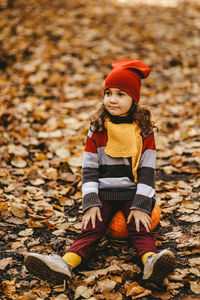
(146, 176)
(90, 174)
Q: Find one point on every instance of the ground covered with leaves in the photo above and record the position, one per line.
(54, 57)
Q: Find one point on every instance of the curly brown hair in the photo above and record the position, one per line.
(141, 116)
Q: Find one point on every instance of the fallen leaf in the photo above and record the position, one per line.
(17, 150)
(4, 172)
(191, 204)
(162, 295)
(43, 290)
(65, 201)
(110, 296)
(183, 185)
(145, 293)
(195, 287)
(194, 261)
(195, 271)
(102, 272)
(187, 297)
(8, 288)
(84, 292)
(3, 206)
(63, 152)
(106, 285)
(5, 262)
(18, 162)
(16, 245)
(173, 235)
(178, 274)
(18, 209)
(28, 296)
(190, 219)
(26, 232)
(134, 289)
(75, 161)
(61, 297)
(34, 177)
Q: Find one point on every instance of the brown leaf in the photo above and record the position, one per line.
(187, 297)
(76, 160)
(195, 287)
(102, 272)
(195, 271)
(34, 177)
(18, 209)
(18, 162)
(61, 297)
(26, 232)
(193, 205)
(43, 290)
(190, 219)
(28, 296)
(3, 206)
(179, 274)
(63, 152)
(4, 172)
(84, 292)
(183, 185)
(35, 224)
(106, 285)
(65, 201)
(16, 245)
(145, 293)
(134, 289)
(8, 287)
(17, 150)
(5, 262)
(162, 295)
(111, 296)
(194, 261)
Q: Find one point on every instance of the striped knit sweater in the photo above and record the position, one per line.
(107, 178)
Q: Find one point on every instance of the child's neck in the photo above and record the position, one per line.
(119, 119)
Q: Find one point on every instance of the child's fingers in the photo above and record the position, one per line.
(129, 218)
(85, 222)
(137, 224)
(147, 224)
(93, 219)
(99, 215)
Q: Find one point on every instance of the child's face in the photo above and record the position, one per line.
(117, 102)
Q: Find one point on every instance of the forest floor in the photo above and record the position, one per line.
(54, 57)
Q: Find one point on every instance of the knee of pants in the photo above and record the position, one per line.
(98, 230)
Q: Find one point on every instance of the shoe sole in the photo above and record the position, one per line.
(163, 266)
(39, 269)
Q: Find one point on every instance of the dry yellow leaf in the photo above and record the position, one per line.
(134, 289)
(195, 287)
(18, 209)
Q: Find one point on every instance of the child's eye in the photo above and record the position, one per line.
(121, 94)
(107, 93)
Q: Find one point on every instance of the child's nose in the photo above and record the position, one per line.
(113, 98)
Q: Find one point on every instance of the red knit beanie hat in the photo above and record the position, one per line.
(126, 75)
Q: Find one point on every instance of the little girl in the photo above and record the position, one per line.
(117, 174)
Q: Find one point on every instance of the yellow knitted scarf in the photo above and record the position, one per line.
(124, 140)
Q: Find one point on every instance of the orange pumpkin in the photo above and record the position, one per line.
(117, 228)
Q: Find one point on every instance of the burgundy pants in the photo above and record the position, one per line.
(86, 242)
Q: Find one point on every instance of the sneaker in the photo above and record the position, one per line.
(158, 267)
(50, 268)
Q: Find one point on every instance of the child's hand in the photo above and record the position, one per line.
(91, 214)
(140, 216)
